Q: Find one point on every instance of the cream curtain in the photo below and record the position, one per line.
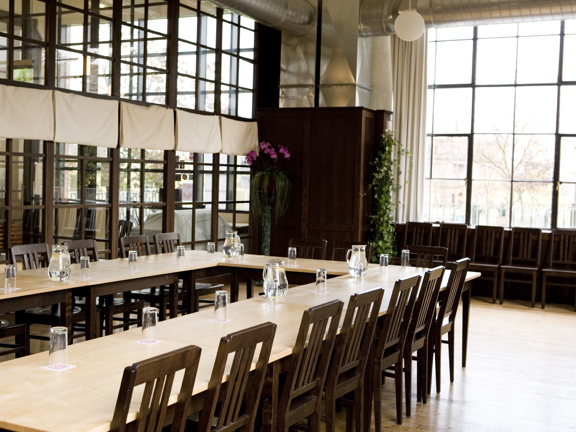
(238, 137)
(85, 120)
(146, 127)
(198, 133)
(409, 80)
(26, 113)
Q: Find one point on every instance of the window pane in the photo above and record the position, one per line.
(131, 82)
(230, 38)
(567, 159)
(27, 146)
(207, 64)
(492, 157)
(449, 157)
(69, 70)
(496, 61)
(4, 17)
(567, 109)
(454, 33)
(490, 203)
(188, 25)
(531, 204)
(130, 182)
(99, 78)
(431, 64)
(29, 62)
(186, 92)
(570, 26)
(246, 74)
(538, 59)
(567, 205)
(245, 102)
(247, 43)
(154, 179)
(534, 157)
(97, 187)
(158, 17)
(494, 117)
(132, 214)
(445, 201)
(539, 28)
(186, 58)
(500, 30)
(532, 120)
(66, 149)
(67, 182)
(26, 180)
(454, 62)
(452, 110)
(569, 66)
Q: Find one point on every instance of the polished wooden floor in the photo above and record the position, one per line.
(521, 375)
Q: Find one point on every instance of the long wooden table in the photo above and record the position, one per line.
(83, 398)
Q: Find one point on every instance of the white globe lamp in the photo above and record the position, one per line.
(409, 25)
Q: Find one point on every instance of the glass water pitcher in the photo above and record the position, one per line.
(59, 267)
(230, 247)
(274, 271)
(354, 257)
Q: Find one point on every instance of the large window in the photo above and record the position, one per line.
(499, 129)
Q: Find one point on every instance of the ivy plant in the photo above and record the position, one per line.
(384, 185)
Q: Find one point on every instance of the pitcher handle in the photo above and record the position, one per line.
(348, 255)
(264, 272)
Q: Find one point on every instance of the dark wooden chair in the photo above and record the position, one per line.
(124, 228)
(301, 393)
(108, 306)
(444, 322)
(157, 375)
(169, 242)
(36, 256)
(351, 350)
(139, 243)
(387, 352)
(487, 254)
(21, 335)
(455, 238)
(427, 256)
(561, 263)
(312, 249)
(523, 263)
(419, 335)
(418, 234)
(232, 405)
(340, 249)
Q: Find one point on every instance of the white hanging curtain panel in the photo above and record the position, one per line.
(238, 137)
(26, 113)
(85, 120)
(197, 133)
(146, 127)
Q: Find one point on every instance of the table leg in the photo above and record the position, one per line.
(65, 319)
(191, 299)
(91, 315)
(234, 286)
(173, 298)
(248, 288)
(466, 297)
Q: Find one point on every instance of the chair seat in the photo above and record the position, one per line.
(559, 272)
(47, 311)
(519, 269)
(483, 266)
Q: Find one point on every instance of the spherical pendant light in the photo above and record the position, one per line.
(409, 25)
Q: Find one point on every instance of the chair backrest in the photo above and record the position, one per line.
(167, 242)
(33, 255)
(427, 256)
(78, 248)
(423, 313)
(450, 297)
(138, 243)
(418, 234)
(488, 245)
(562, 254)
(525, 247)
(340, 249)
(454, 237)
(311, 355)
(157, 374)
(241, 394)
(313, 249)
(356, 335)
(398, 315)
(124, 228)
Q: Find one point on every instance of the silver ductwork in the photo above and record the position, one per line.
(377, 16)
(297, 17)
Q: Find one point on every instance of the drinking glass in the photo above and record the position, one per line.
(221, 306)
(405, 258)
(292, 253)
(240, 249)
(180, 251)
(149, 322)
(132, 260)
(273, 294)
(384, 260)
(210, 247)
(9, 277)
(321, 277)
(359, 270)
(58, 353)
(84, 267)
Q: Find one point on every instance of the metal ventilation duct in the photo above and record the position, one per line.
(377, 16)
(297, 17)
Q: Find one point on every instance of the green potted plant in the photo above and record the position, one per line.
(269, 189)
(385, 184)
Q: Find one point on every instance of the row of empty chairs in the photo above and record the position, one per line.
(515, 257)
(318, 249)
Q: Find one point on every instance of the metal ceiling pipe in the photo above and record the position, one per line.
(297, 17)
(377, 16)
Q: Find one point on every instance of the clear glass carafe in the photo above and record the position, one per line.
(356, 256)
(59, 267)
(274, 271)
(230, 247)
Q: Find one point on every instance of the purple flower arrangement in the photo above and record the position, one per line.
(267, 148)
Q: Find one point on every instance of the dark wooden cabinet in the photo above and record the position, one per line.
(331, 150)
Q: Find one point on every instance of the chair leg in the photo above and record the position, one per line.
(430, 349)
(502, 278)
(358, 408)
(377, 396)
(315, 422)
(494, 286)
(451, 352)
(109, 323)
(534, 281)
(367, 393)
(437, 359)
(544, 291)
(408, 382)
(398, 381)
(330, 411)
